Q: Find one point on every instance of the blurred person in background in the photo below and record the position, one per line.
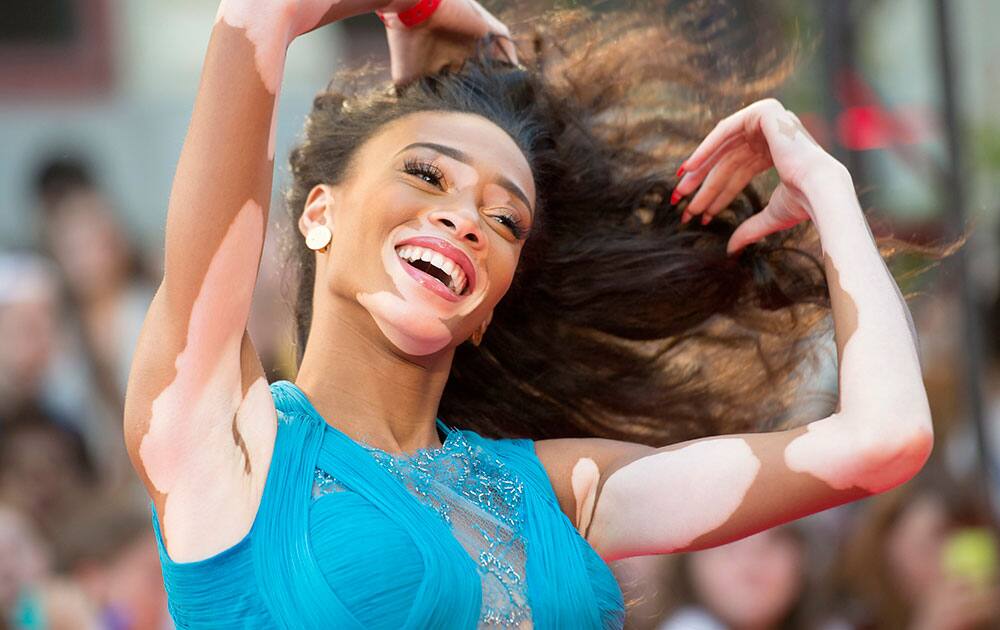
(29, 339)
(757, 583)
(108, 288)
(110, 553)
(897, 573)
(24, 563)
(31, 596)
(45, 471)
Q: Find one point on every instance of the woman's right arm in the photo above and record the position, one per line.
(199, 419)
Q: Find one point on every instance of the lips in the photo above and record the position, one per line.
(447, 250)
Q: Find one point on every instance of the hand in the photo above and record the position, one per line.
(305, 16)
(447, 38)
(744, 144)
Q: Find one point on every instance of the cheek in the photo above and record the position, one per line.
(501, 268)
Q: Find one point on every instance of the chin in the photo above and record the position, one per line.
(413, 330)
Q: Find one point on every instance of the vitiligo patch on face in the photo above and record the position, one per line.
(584, 480)
(637, 515)
(406, 327)
(851, 447)
(412, 318)
(188, 452)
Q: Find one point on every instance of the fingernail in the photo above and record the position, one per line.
(685, 217)
(705, 218)
(680, 171)
(675, 197)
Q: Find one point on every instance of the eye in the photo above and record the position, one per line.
(425, 171)
(513, 223)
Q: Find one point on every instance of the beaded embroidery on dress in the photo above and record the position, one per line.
(475, 494)
(349, 537)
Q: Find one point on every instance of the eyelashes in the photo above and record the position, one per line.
(424, 170)
(433, 176)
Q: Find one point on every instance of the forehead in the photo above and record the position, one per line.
(487, 144)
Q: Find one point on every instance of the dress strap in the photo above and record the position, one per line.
(295, 589)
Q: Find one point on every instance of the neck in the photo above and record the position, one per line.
(365, 387)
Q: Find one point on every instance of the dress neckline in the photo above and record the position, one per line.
(449, 433)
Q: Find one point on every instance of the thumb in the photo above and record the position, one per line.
(773, 218)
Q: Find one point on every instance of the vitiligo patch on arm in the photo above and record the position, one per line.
(662, 502)
(188, 452)
(269, 26)
(876, 415)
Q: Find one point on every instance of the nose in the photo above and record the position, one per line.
(463, 223)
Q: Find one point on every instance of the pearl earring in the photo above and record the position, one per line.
(318, 238)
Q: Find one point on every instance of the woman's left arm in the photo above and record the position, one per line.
(629, 499)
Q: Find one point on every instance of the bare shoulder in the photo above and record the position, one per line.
(200, 426)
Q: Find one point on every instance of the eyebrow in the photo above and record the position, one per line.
(464, 157)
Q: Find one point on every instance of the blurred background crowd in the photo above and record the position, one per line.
(95, 96)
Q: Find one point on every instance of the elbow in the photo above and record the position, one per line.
(901, 459)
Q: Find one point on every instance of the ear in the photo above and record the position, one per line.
(318, 208)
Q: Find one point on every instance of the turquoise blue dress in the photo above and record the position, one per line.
(347, 536)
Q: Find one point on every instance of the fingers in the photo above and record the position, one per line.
(773, 218)
(727, 129)
(739, 180)
(693, 177)
(716, 181)
(503, 48)
(729, 157)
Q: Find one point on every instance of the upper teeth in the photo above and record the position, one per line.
(447, 265)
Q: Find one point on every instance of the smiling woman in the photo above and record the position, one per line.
(408, 479)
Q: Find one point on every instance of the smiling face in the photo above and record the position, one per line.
(427, 229)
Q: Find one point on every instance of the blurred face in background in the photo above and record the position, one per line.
(914, 544)
(88, 243)
(28, 335)
(40, 475)
(753, 582)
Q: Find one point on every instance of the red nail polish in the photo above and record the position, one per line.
(674, 198)
(705, 218)
(680, 171)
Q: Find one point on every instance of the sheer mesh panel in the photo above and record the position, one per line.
(480, 499)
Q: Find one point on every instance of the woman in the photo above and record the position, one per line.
(896, 571)
(759, 582)
(292, 505)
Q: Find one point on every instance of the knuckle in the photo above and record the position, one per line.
(773, 103)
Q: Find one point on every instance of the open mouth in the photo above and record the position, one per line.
(431, 263)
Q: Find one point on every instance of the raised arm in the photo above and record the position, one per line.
(632, 500)
(199, 420)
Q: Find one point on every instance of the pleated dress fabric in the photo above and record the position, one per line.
(347, 536)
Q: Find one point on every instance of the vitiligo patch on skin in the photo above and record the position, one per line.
(411, 317)
(584, 480)
(270, 26)
(191, 452)
(872, 424)
(634, 517)
(412, 332)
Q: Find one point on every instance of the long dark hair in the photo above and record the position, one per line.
(621, 322)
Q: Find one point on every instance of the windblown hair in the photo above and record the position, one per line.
(621, 322)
